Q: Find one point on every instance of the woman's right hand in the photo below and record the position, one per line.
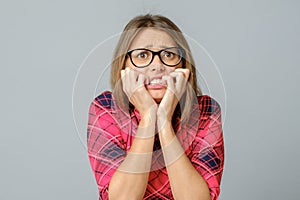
(134, 88)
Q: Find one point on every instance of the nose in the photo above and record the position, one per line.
(156, 64)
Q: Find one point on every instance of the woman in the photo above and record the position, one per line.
(155, 136)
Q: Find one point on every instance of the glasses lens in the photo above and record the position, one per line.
(141, 57)
(171, 56)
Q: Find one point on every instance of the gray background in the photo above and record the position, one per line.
(43, 43)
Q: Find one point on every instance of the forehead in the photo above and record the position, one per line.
(152, 38)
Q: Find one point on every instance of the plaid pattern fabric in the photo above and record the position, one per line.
(111, 132)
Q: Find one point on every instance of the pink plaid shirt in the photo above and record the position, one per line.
(111, 133)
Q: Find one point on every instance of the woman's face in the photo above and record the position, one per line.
(154, 40)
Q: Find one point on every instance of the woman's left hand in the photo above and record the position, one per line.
(176, 85)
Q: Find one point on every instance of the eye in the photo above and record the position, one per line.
(168, 54)
(141, 54)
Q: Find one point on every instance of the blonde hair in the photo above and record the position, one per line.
(119, 58)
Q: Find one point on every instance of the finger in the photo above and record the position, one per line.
(141, 80)
(133, 78)
(127, 70)
(122, 73)
(180, 81)
(178, 76)
(140, 87)
(128, 80)
(123, 79)
(186, 72)
(147, 80)
(171, 91)
(128, 84)
(170, 82)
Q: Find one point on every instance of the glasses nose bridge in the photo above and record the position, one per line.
(154, 53)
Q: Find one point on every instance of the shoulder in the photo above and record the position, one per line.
(208, 105)
(105, 99)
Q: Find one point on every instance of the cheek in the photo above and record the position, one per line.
(129, 64)
(137, 70)
(179, 65)
(172, 69)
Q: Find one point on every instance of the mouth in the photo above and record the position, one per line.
(155, 83)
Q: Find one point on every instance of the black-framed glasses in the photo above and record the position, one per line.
(142, 57)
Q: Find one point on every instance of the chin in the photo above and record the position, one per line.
(157, 100)
(157, 95)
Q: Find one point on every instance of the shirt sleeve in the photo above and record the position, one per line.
(106, 150)
(208, 146)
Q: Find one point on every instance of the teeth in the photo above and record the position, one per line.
(156, 81)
